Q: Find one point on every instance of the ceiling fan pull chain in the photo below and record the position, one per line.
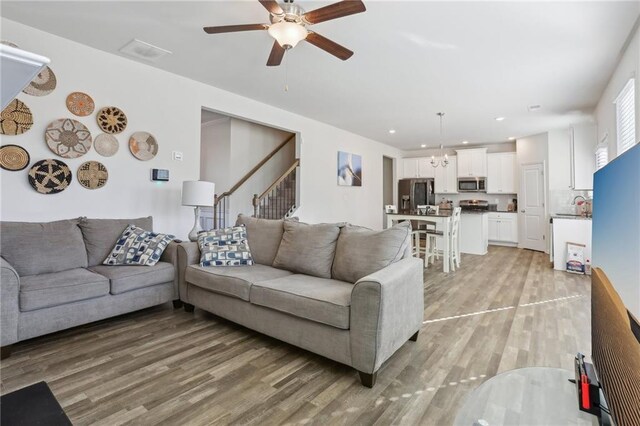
(286, 76)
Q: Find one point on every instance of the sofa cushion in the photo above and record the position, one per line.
(308, 249)
(264, 237)
(317, 299)
(127, 277)
(60, 288)
(41, 248)
(225, 247)
(100, 235)
(230, 280)
(137, 246)
(361, 251)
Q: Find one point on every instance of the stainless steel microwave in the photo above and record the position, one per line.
(472, 184)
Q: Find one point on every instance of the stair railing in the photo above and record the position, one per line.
(221, 201)
(279, 200)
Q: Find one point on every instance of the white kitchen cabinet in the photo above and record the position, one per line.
(576, 231)
(503, 228)
(583, 161)
(417, 168)
(472, 162)
(501, 173)
(446, 178)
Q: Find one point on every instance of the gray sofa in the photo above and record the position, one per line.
(368, 304)
(53, 278)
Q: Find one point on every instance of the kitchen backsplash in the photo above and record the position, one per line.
(560, 200)
(501, 200)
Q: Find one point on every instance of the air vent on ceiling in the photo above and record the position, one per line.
(534, 108)
(141, 50)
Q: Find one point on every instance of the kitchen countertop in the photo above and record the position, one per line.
(562, 216)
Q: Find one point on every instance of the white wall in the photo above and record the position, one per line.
(605, 113)
(215, 144)
(169, 106)
(491, 148)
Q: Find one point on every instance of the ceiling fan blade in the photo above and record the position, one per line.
(329, 46)
(276, 55)
(234, 28)
(272, 6)
(334, 11)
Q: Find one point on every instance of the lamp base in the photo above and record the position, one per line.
(193, 235)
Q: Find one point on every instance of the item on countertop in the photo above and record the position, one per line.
(225, 247)
(92, 175)
(80, 104)
(511, 207)
(43, 84)
(445, 204)
(138, 247)
(68, 138)
(143, 146)
(49, 176)
(111, 120)
(587, 267)
(16, 118)
(575, 258)
(106, 145)
(14, 158)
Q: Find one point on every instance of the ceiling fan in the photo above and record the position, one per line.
(289, 26)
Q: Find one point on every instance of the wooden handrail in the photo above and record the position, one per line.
(279, 180)
(253, 170)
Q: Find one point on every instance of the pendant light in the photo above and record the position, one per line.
(444, 158)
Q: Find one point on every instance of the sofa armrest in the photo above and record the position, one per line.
(170, 255)
(9, 303)
(387, 308)
(188, 254)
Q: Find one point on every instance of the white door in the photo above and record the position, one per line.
(532, 215)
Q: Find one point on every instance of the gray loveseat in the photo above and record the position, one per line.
(53, 278)
(358, 312)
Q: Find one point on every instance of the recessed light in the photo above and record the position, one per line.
(511, 138)
(392, 131)
(533, 108)
(142, 50)
(465, 142)
(499, 118)
(423, 146)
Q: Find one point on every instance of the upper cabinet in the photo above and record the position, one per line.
(472, 162)
(572, 157)
(583, 160)
(417, 168)
(446, 179)
(501, 173)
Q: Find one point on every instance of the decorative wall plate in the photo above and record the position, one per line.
(80, 104)
(143, 146)
(111, 120)
(68, 138)
(49, 176)
(92, 175)
(106, 145)
(14, 158)
(43, 84)
(16, 118)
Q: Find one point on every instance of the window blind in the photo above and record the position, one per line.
(602, 157)
(626, 117)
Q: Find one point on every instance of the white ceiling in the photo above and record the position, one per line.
(473, 60)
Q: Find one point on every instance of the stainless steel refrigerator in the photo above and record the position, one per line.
(415, 192)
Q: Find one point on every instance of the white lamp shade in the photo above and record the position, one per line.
(198, 193)
(287, 33)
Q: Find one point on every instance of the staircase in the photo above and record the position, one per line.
(277, 202)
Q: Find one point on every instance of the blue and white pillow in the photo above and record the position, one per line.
(225, 247)
(138, 247)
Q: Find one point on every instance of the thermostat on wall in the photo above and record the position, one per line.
(161, 175)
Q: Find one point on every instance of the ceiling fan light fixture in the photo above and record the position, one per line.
(288, 34)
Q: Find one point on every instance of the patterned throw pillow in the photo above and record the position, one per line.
(138, 247)
(225, 247)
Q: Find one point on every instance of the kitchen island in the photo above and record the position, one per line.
(474, 232)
